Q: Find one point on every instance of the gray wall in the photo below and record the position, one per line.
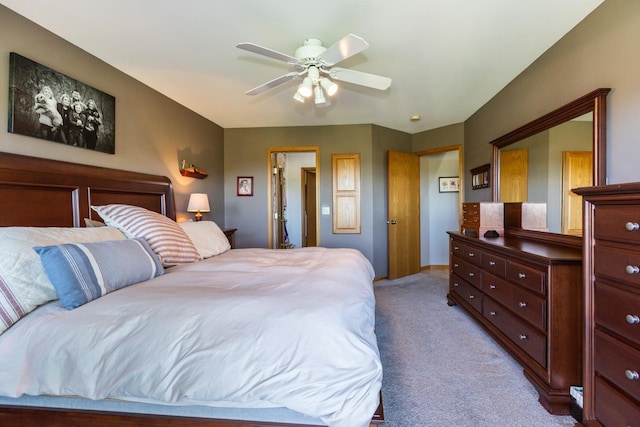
(601, 51)
(153, 133)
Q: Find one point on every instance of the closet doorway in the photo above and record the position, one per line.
(294, 177)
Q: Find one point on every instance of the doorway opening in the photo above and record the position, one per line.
(293, 206)
(440, 211)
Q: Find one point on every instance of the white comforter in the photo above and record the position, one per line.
(249, 328)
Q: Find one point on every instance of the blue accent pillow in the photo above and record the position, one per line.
(82, 272)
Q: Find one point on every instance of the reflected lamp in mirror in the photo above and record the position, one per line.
(198, 203)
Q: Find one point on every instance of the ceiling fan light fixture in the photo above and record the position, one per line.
(298, 97)
(306, 87)
(329, 87)
(319, 98)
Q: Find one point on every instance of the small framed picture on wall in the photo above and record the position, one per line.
(245, 186)
(448, 184)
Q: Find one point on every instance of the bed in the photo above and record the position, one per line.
(250, 337)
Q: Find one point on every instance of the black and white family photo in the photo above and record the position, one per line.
(46, 104)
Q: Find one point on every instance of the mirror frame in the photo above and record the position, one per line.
(594, 102)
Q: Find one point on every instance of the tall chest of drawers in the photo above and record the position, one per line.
(612, 305)
(528, 296)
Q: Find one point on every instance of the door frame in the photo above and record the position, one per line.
(461, 180)
(270, 166)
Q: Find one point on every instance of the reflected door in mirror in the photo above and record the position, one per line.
(514, 172)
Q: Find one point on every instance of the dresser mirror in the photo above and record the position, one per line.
(538, 164)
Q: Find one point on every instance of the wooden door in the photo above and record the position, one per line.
(577, 171)
(309, 207)
(514, 175)
(403, 229)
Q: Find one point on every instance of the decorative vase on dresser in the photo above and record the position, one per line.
(612, 305)
(527, 295)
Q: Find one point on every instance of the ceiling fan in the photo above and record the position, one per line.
(314, 64)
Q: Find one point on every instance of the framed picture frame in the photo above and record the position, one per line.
(448, 184)
(244, 186)
(49, 105)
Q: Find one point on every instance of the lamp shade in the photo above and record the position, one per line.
(198, 202)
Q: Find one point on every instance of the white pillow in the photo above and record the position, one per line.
(164, 235)
(208, 238)
(24, 285)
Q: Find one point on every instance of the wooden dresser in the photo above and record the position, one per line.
(612, 305)
(528, 296)
(479, 217)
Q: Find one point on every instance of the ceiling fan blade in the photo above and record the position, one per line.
(360, 78)
(348, 46)
(261, 50)
(273, 83)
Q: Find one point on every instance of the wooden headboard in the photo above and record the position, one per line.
(50, 193)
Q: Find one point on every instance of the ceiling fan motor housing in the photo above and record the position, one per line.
(311, 48)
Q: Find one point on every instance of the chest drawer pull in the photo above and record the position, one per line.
(455, 284)
(632, 319)
(456, 265)
(492, 263)
(492, 313)
(472, 274)
(472, 297)
(492, 286)
(521, 275)
(456, 248)
(631, 226)
(632, 375)
(522, 304)
(471, 254)
(522, 337)
(632, 269)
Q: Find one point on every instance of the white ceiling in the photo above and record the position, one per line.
(446, 57)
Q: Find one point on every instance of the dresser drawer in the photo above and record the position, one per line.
(469, 293)
(618, 311)
(525, 336)
(528, 306)
(457, 248)
(473, 255)
(618, 264)
(493, 263)
(614, 408)
(618, 362)
(611, 223)
(468, 271)
(526, 276)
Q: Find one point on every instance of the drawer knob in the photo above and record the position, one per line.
(471, 254)
(492, 313)
(456, 265)
(522, 304)
(522, 337)
(521, 275)
(631, 226)
(632, 319)
(471, 274)
(472, 297)
(492, 286)
(492, 263)
(632, 269)
(632, 375)
(455, 248)
(455, 285)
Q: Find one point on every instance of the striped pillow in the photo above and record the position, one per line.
(82, 272)
(164, 235)
(24, 284)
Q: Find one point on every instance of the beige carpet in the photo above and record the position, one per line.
(443, 370)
